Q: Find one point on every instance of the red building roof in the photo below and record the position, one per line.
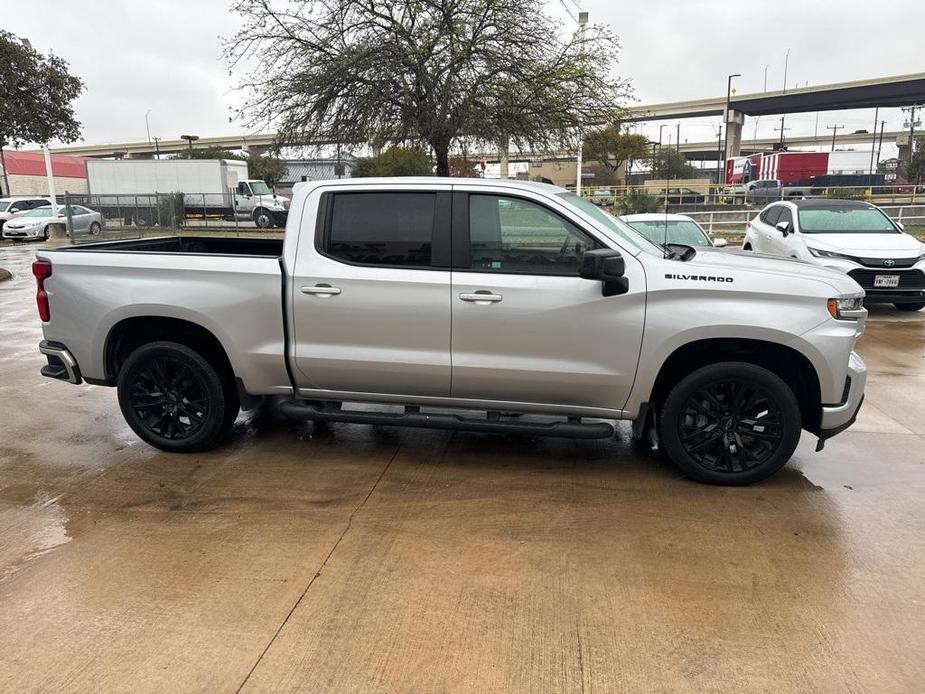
(33, 164)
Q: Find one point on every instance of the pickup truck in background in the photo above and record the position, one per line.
(768, 190)
(493, 306)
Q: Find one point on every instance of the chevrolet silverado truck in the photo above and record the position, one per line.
(480, 305)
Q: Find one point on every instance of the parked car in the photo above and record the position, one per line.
(851, 236)
(764, 191)
(37, 223)
(664, 229)
(14, 206)
(681, 196)
(487, 297)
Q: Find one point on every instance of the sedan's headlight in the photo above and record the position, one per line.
(828, 254)
(847, 307)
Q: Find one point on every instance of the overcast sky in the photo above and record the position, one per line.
(164, 56)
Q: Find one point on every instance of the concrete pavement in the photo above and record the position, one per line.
(352, 558)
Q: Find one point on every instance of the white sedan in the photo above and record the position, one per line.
(851, 236)
(37, 223)
(664, 229)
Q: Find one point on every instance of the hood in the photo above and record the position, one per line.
(732, 261)
(866, 245)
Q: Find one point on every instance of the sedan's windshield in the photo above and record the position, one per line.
(623, 230)
(260, 188)
(39, 212)
(845, 220)
(671, 231)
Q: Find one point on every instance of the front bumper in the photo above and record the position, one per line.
(61, 363)
(30, 233)
(836, 418)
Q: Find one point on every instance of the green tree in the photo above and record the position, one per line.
(421, 72)
(612, 146)
(397, 161)
(208, 153)
(668, 164)
(36, 95)
(638, 201)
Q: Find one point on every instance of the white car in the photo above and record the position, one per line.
(35, 224)
(851, 236)
(671, 228)
(16, 205)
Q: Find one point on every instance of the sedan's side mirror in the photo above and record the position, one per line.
(605, 265)
(719, 243)
(902, 227)
(783, 228)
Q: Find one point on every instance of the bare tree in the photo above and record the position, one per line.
(435, 72)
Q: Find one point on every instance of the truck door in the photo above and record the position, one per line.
(370, 293)
(526, 327)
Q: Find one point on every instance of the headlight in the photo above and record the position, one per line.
(847, 308)
(828, 254)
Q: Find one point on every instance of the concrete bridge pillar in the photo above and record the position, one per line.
(735, 121)
(504, 156)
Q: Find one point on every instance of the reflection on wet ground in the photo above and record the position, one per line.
(356, 558)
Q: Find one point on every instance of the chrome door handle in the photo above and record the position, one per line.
(481, 297)
(321, 290)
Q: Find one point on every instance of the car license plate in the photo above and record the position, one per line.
(886, 281)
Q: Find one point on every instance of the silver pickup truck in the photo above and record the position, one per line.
(477, 305)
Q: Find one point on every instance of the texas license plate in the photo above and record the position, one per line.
(886, 281)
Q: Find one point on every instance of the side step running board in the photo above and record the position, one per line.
(413, 417)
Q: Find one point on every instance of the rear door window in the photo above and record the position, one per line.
(771, 215)
(393, 229)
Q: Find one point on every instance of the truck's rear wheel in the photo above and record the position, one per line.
(732, 423)
(173, 398)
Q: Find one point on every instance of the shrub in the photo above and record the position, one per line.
(638, 201)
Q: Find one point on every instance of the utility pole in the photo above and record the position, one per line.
(786, 64)
(157, 148)
(834, 129)
(912, 125)
(873, 147)
(720, 180)
(880, 146)
(678, 139)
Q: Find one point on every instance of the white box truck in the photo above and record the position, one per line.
(210, 187)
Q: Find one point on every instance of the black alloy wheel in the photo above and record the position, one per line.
(174, 398)
(730, 423)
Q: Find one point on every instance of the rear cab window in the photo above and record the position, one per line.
(382, 228)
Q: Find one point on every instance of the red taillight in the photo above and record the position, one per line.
(42, 271)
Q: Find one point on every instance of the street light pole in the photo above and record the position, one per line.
(726, 113)
(786, 64)
(190, 139)
(582, 23)
(148, 127)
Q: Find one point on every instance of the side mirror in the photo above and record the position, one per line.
(783, 228)
(605, 265)
(719, 243)
(902, 227)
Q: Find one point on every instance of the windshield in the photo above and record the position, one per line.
(845, 220)
(675, 231)
(39, 212)
(624, 231)
(260, 188)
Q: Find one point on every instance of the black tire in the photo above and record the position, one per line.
(262, 218)
(173, 398)
(95, 228)
(746, 247)
(709, 424)
(911, 307)
(45, 234)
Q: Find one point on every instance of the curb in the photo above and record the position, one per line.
(5, 275)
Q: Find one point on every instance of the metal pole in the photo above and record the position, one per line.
(49, 173)
(70, 218)
(582, 23)
(786, 64)
(147, 127)
(880, 145)
(766, 78)
(6, 179)
(873, 148)
(719, 156)
(834, 129)
(678, 139)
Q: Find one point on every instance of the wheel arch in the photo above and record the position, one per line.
(130, 333)
(794, 368)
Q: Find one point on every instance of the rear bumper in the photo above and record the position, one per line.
(61, 363)
(837, 418)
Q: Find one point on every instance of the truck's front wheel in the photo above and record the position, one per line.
(732, 423)
(173, 398)
(262, 218)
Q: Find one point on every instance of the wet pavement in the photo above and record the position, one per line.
(354, 558)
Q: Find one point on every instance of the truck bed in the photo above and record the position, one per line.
(187, 245)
